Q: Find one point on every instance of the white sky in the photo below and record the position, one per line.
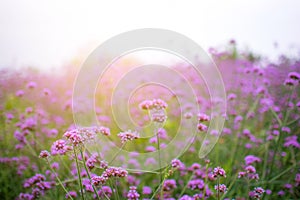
(48, 33)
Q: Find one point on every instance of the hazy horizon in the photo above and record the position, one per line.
(50, 33)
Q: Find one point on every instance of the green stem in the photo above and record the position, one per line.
(291, 122)
(79, 175)
(104, 193)
(287, 111)
(231, 185)
(159, 162)
(31, 149)
(59, 181)
(218, 191)
(205, 180)
(282, 173)
(184, 188)
(248, 188)
(276, 116)
(158, 188)
(265, 162)
(111, 185)
(88, 173)
(116, 186)
(115, 156)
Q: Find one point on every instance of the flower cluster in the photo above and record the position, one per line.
(202, 118)
(108, 173)
(39, 186)
(128, 136)
(250, 173)
(156, 104)
(218, 171)
(196, 184)
(44, 154)
(157, 109)
(169, 184)
(221, 188)
(256, 193)
(132, 193)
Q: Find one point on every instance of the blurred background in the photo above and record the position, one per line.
(50, 34)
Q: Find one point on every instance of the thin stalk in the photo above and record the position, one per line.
(68, 181)
(218, 191)
(159, 162)
(282, 173)
(59, 181)
(64, 163)
(79, 176)
(184, 188)
(115, 156)
(265, 162)
(248, 188)
(276, 116)
(291, 122)
(104, 193)
(287, 111)
(231, 185)
(115, 193)
(158, 188)
(31, 149)
(88, 173)
(205, 180)
(116, 186)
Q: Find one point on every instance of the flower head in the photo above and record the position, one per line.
(132, 193)
(128, 136)
(218, 171)
(44, 154)
(221, 188)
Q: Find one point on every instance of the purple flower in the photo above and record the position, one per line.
(218, 171)
(72, 194)
(176, 163)
(250, 169)
(20, 93)
(128, 136)
(250, 159)
(196, 184)
(294, 75)
(202, 127)
(221, 188)
(186, 197)
(281, 193)
(147, 190)
(104, 130)
(59, 147)
(169, 184)
(297, 179)
(291, 141)
(99, 180)
(105, 190)
(203, 117)
(44, 154)
(133, 194)
(31, 85)
(90, 163)
(242, 174)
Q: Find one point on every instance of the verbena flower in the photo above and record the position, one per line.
(128, 136)
(169, 184)
(221, 188)
(218, 171)
(72, 194)
(132, 193)
(196, 184)
(44, 154)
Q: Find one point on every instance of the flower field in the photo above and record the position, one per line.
(45, 155)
